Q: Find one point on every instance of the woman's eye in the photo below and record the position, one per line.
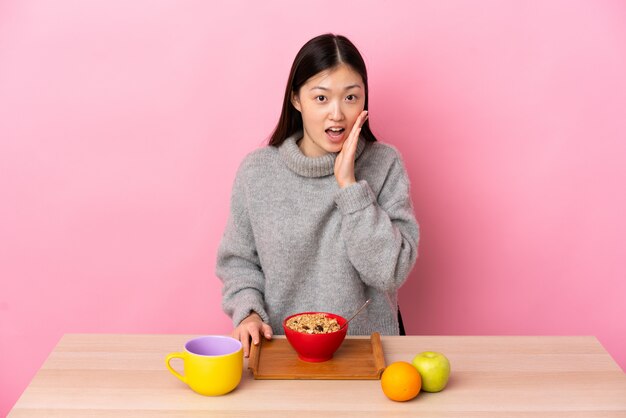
(351, 98)
(320, 98)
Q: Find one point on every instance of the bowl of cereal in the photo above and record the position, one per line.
(315, 335)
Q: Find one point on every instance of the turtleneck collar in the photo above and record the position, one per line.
(310, 166)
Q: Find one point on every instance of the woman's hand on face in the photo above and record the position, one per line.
(251, 327)
(344, 163)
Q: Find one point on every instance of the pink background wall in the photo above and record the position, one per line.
(122, 125)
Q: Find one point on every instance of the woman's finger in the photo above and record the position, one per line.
(361, 120)
(245, 342)
(254, 333)
(356, 130)
(349, 147)
(267, 331)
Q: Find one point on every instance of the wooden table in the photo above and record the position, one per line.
(125, 376)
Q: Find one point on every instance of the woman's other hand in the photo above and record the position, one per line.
(252, 327)
(344, 163)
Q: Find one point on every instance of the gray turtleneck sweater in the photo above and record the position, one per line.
(296, 242)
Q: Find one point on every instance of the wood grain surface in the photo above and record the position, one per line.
(492, 376)
(356, 359)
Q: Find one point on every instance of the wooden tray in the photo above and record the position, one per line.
(356, 359)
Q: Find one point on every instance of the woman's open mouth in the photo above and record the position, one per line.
(335, 134)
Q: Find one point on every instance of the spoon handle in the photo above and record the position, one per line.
(357, 312)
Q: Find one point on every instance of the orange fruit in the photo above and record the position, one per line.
(401, 381)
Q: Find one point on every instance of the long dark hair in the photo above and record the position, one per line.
(320, 53)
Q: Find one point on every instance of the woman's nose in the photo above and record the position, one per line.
(336, 112)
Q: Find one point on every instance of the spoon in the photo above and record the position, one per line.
(357, 312)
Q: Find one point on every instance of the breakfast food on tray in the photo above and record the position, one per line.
(317, 323)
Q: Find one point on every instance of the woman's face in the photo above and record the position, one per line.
(330, 99)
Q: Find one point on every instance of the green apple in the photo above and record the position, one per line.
(434, 369)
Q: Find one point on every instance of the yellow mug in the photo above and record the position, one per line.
(213, 364)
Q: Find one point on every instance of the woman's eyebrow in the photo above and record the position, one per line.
(352, 86)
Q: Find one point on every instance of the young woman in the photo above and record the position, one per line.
(321, 219)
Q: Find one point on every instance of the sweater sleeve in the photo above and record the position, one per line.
(238, 265)
(381, 235)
